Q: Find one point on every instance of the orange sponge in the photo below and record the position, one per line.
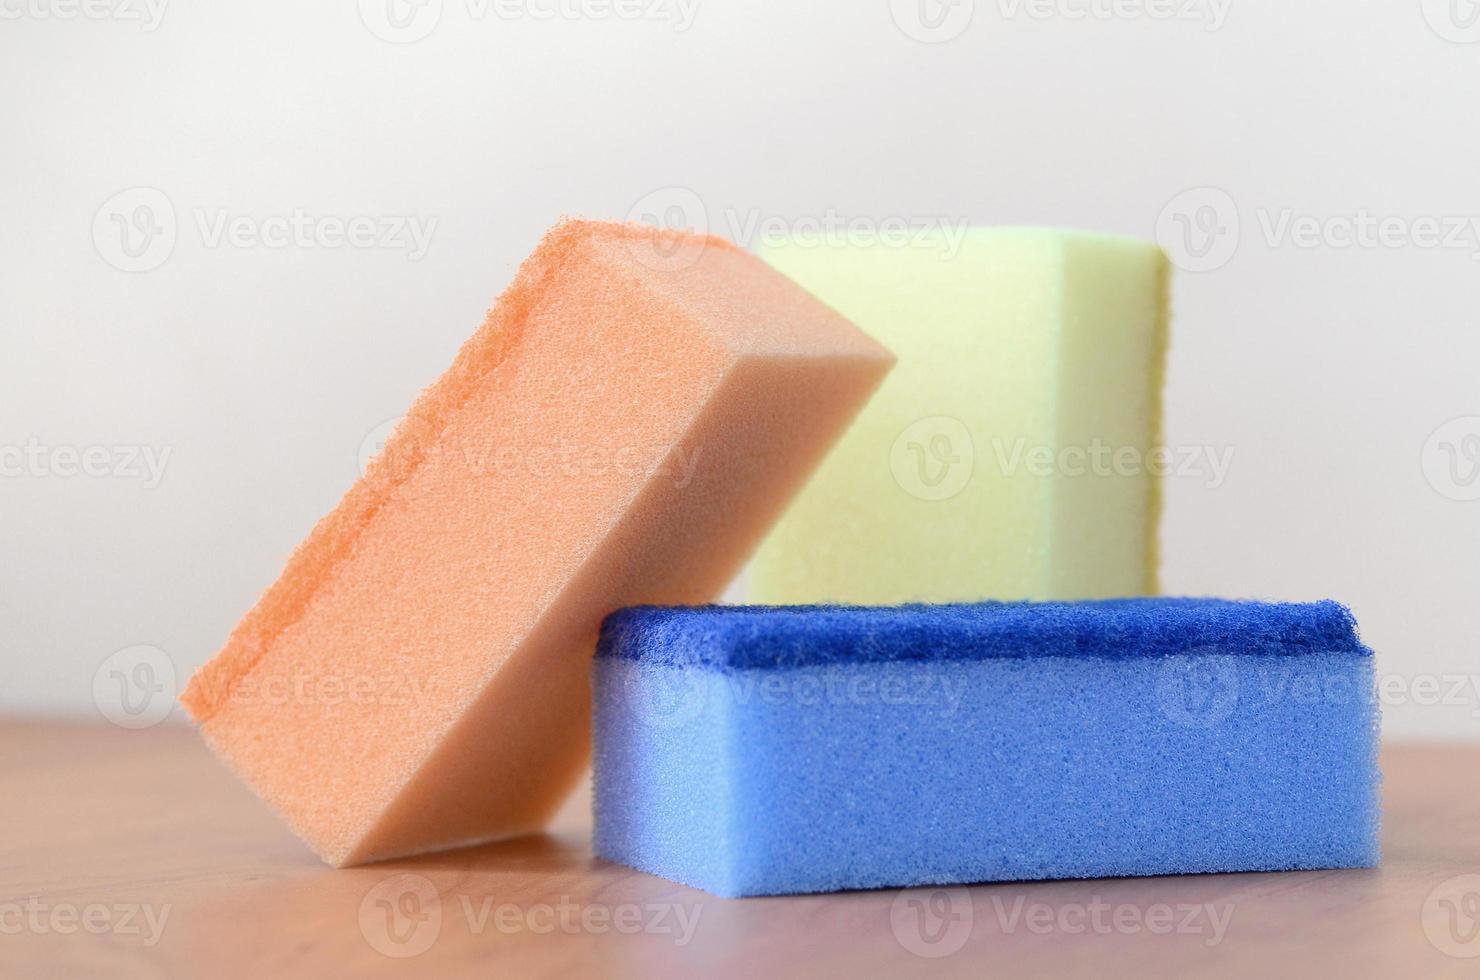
(634, 412)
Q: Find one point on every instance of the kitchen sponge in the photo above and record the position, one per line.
(631, 416)
(1013, 452)
(758, 751)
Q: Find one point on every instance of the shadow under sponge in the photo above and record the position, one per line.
(776, 750)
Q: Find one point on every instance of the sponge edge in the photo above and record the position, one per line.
(758, 751)
(634, 412)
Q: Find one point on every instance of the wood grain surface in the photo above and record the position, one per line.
(134, 854)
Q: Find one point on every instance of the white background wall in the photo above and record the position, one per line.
(261, 370)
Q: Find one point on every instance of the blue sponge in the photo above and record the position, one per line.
(775, 750)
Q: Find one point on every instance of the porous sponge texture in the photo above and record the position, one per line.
(987, 465)
(775, 751)
(623, 426)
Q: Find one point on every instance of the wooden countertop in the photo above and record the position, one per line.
(133, 854)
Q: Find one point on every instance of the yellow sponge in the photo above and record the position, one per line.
(1010, 454)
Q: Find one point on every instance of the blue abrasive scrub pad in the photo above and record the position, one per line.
(774, 750)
